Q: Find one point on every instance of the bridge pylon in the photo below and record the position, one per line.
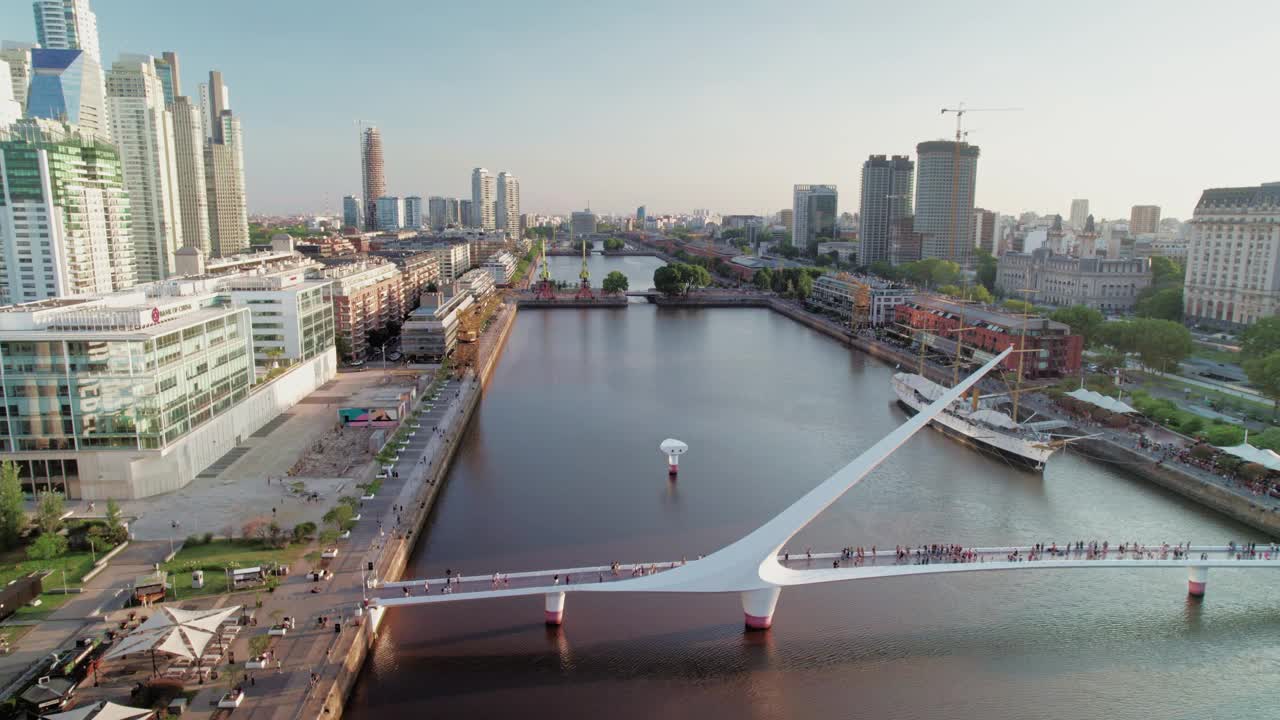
(1197, 578)
(555, 608)
(758, 606)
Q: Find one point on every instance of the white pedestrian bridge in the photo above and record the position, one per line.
(758, 566)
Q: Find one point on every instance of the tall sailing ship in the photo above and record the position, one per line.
(984, 427)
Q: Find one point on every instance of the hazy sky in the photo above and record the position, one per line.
(726, 105)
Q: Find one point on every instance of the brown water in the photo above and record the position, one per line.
(560, 467)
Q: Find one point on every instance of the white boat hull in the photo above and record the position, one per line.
(1031, 452)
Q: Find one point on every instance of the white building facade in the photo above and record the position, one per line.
(1233, 258)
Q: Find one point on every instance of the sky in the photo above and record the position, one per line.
(726, 105)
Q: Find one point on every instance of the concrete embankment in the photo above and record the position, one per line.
(418, 497)
(1232, 504)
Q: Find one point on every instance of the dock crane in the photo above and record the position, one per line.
(546, 288)
(584, 288)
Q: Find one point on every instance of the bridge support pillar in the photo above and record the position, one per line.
(1197, 578)
(555, 608)
(758, 607)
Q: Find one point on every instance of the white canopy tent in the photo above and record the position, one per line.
(1266, 458)
(104, 710)
(1099, 400)
(173, 631)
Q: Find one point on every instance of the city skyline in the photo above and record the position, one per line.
(677, 155)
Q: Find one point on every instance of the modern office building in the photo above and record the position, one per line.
(905, 244)
(886, 197)
(1055, 352)
(1144, 219)
(508, 204)
(483, 205)
(224, 176)
(814, 210)
(66, 85)
(431, 332)
(352, 213)
(1233, 258)
(437, 216)
(64, 27)
(641, 214)
(373, 181)
(1079, 213)
(413, 217)
(64, 214)
(143, 130)
(291, 317)
(390, 213)
(787, 219)
(366, 295)
(945, 177)
(189, 154)
(838, 295)
(1108, 285)
(582, 224)
(133, 394)
(465, 213)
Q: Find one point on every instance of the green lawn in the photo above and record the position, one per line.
(14, 564)
(14, 633)
(1260, 410)
(215, 557)
(48, 601)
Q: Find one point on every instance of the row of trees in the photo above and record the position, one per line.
(1260, 356)
(789, 282)
(1163, 299)
(50, 507)
(679, 278)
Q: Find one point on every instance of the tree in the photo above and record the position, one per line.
(1261, 338)
(692, 276)
(884, 269)
(254, 528)
(342, 346)
(1084, 321)
(1268, 439)
(611, 244)
(803, 286)
(1019, 306)
(615, 282)
(788, 251)
(1264, 372)
(667, 280)
(339, 515)
(987, 270)
(1163, 304)
(12, 515)
(47, 547)
(1121, 336)
(116, 531)
(1161, 344)
(432, 287)
(1166, 272)
(1223, 435)
(763, 279)
(49, 511)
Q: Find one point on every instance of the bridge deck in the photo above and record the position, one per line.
(803, 569)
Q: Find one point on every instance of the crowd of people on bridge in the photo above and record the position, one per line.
(857, 556)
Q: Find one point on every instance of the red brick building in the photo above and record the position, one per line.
(990, 331)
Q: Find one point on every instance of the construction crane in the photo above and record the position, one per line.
(961, 136)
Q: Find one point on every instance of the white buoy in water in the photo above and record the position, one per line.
(673, 449)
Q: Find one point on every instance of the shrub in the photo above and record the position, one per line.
(255, 528)
(1252, 471)
(1202, 451)
(47, 547)
(1227, 462)
(192, 540)
(304, 531)
(1223, 435)
(1191, 426)
(208, 538)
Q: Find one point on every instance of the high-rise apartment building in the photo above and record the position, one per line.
(352, 213)
(483, 210)
(1233, 258)
(366, 295)
(436, 213)
(170, 76)
(787, 218)
(224, 177)
(67, 25)
(18, 57)
(373, 182)
(886, 197)
(465, 213)
(814, 209)
(189, 154)
(390, 213)
(10, 108)
(64, 221)
(641, 213)
(508, 204)
(946, 173)
(1079, 213)
(413, 218)
(1144, 219)
(143, 130)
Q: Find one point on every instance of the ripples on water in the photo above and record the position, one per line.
(561, 467)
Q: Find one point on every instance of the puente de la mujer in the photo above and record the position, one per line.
(757, 568)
